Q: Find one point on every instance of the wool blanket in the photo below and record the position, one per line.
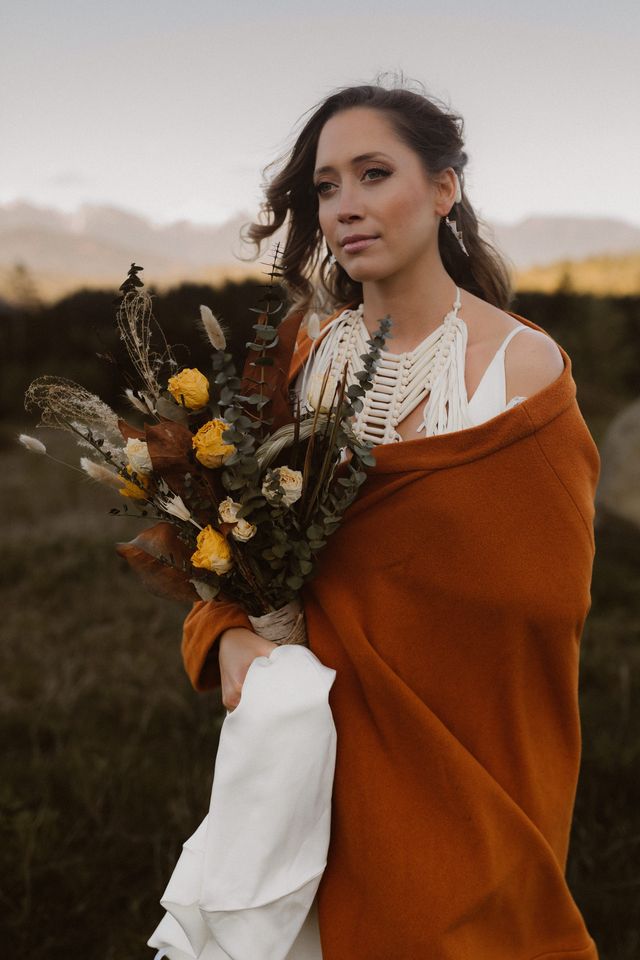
(451, 603)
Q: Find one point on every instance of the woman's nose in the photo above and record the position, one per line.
(348, 205)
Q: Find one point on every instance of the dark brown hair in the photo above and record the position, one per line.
(435, 134)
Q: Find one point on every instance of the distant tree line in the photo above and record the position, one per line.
(77, 338)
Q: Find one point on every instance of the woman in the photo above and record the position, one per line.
(452, 599)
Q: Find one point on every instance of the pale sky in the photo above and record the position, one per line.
(171, 108)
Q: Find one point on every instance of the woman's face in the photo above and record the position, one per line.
(387, 195)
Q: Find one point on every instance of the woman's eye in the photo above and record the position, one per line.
(325, 183)
(385, 173)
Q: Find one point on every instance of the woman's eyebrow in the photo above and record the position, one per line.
(361, 156)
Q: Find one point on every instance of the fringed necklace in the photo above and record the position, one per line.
(434, 369)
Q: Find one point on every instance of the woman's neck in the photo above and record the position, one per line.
(417, 305)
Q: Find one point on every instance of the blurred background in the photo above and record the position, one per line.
(140, 132)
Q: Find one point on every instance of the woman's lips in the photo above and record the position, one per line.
(359, 245)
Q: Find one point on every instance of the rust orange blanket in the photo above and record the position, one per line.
(451, 603)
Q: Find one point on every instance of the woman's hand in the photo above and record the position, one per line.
(238, 648)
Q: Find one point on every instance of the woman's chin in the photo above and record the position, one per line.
(363, 272)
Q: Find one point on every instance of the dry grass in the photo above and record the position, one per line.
(108, 752)
(603, 276)
(52, 287)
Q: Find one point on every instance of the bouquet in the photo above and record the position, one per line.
(240, 476)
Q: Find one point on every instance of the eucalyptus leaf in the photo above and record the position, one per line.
(171, 411)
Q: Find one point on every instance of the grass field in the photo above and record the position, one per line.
(108, 752)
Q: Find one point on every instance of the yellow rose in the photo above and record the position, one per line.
(189, 388)
(210, 448)
(132, 490)
(213, 552)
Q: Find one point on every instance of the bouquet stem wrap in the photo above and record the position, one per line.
(285, 625)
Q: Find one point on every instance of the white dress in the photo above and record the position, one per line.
(244, 887)
(490, 396)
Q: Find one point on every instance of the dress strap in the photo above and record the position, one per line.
(508, 337)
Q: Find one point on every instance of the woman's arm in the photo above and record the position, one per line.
(203, 626)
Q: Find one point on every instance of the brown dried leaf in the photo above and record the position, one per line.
(143, 553)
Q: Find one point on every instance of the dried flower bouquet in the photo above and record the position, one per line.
(239, 475)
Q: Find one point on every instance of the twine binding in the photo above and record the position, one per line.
(284, 625)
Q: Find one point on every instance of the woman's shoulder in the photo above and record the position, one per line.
(487, 323)
(532, 358)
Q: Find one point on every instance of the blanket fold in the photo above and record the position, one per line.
(451, 603)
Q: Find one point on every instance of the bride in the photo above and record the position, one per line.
(450, 604)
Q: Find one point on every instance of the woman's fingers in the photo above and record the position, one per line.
(239, 653)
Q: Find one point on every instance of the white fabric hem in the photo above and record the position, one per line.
(245, 883)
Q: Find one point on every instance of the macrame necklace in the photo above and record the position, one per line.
(433, 369)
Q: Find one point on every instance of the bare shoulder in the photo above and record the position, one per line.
(532, 361)
(532, 358)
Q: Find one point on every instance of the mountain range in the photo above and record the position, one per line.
(95, 245)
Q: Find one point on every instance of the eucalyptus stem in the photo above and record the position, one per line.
(327, 457)
(244, 566)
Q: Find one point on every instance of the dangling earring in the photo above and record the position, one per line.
(452, 224)
(332, 259)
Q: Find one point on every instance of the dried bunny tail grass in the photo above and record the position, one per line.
(31, 443)
(102, 474)
(212, 327)
(133, 320)
(62, 403)
(313, 326)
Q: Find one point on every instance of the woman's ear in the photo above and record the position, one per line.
(446, 187)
